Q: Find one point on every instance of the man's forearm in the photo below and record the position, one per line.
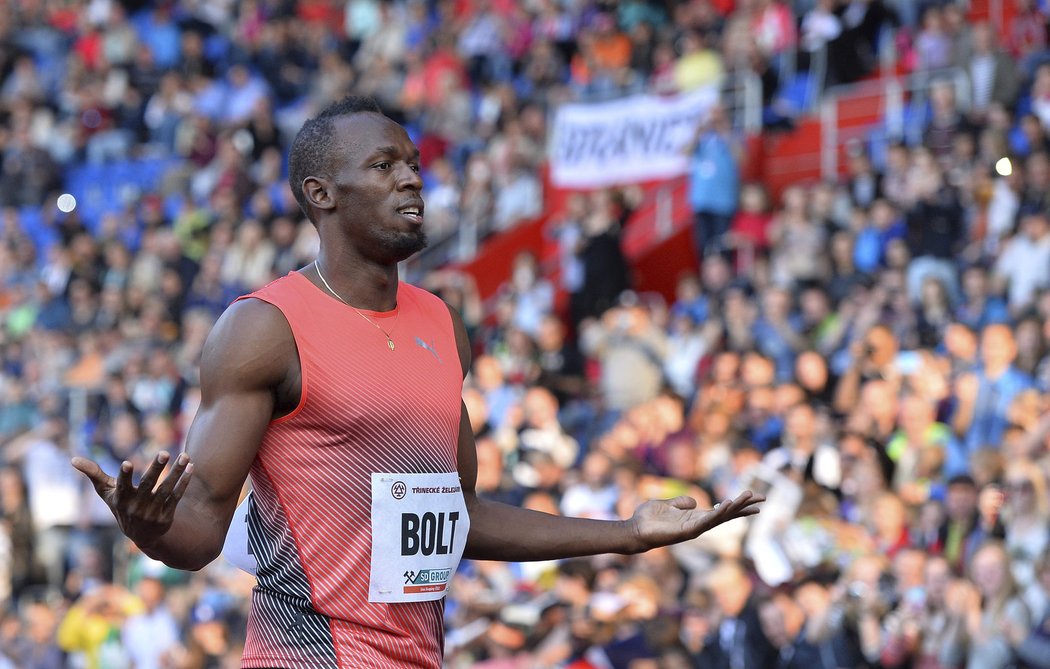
(194, 539)
(509, 533)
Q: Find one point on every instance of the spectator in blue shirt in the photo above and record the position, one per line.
(979, 308)
(714, 182)
(985, 396)
(884, 225)
(162, 36)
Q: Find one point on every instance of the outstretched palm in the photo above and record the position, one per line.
(665, 522)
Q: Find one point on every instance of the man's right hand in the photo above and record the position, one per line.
(144, 512)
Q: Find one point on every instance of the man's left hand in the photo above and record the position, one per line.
(664, 522)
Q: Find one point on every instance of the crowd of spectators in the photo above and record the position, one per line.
(873, 354)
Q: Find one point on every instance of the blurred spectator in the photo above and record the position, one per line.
(1027, 35)
(739, 639)
(933, 44)
(1031, 647)
(979, 613)
(150, 636)
(605, 271)
(796, 237)
(54, 495)
(985, 395)
(629, 347)
(980, 307)
(945, 121)
(935, 235)
(820, 25)
(35, 647)
(783, 622)
(697, 66)
(1024, 265)
(993, 75)
(714, 182)
(748, 234)
(1026, 514)
(91, 629)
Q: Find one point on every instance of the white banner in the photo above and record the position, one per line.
(625, 141)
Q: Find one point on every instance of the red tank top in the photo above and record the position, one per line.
(364, 408)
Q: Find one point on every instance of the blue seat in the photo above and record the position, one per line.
(100, 189)
(794, 95)
(29, 219)
(32, 223)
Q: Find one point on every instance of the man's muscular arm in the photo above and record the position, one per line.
(504, 532)
(183, 520)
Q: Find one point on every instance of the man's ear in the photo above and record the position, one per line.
(317, 192)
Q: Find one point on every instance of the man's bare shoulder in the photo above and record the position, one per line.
(251, 345)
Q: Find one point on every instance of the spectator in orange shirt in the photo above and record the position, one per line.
(611, 48)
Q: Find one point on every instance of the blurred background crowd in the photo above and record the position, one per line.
(873, 352)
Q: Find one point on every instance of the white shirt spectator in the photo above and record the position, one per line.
(520, 199)
(1025, 264)
(149, 636)
(1002, 212)
(819, 27)
(54, 486)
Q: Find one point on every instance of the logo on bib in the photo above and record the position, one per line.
(398, 490)
(426, 580)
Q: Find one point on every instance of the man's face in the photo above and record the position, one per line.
(961, 501)
(1035, 226)
(997, 345)
(974, 284)
(771, 619)
(376, 187)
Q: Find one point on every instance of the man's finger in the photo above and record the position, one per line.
(168, 484)
(684, 502)
(184, 482)
(747, 499)
(125, 486)
(149, 479)
(90, 468)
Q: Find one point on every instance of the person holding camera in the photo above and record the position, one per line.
(915, 631)
(979, 611)
(871, 358)
(631, 349)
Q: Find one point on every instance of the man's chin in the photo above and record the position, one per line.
(409, 244)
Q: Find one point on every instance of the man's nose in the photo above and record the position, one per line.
(409, 179)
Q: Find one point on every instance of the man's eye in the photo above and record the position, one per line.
(382, 166)
(414, 166)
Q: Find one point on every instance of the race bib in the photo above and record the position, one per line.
(419, 532)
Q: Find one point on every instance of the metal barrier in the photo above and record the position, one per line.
(888, 100)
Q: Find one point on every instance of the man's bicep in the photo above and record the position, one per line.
(222, 443)
(246, 358)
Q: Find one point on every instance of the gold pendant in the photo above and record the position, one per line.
(390, 343)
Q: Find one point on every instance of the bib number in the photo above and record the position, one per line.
(419, 532)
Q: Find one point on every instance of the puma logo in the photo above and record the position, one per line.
(428, 347)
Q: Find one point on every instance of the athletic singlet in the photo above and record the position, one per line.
(364, 409)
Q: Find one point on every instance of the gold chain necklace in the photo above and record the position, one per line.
(389, 341)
